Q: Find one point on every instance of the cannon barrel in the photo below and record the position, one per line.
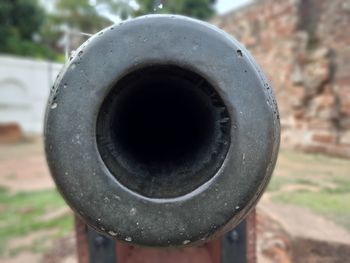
(161, 131)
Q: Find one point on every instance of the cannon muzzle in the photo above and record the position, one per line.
(161, 131)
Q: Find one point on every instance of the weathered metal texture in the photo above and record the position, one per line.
(236, 246)
(101, 248)
(239, 244)
(162, 131)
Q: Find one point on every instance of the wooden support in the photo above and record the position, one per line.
(237, 246)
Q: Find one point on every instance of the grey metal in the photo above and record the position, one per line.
(101, 248)
(90, 157)
(234, 245)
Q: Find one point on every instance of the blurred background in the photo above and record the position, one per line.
(302, 45)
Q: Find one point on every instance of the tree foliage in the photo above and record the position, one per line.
(28, 29)
(79, 15)
(20, 24)
(71, 17)
(120, 8)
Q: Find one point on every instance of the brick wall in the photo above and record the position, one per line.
(304, 48)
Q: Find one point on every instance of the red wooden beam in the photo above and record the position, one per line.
(208, 253)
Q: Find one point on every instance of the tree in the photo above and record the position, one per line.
(27, 29)
(120, 8)
(71, 17)
(20, 25)
(201, 9)
(79, 15)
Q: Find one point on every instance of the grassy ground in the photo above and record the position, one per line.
(317, 182)
(33, 215)
(37, 217)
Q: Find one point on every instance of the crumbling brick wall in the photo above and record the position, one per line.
(304, 47)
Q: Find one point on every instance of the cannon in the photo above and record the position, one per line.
(161, 131)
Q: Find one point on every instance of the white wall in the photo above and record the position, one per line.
(24, 88)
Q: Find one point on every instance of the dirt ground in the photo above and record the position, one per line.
(23, 168)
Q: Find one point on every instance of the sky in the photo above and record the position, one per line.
(224, 6)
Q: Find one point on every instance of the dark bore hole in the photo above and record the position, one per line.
(163, 131)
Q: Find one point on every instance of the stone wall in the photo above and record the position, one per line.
(304, 48)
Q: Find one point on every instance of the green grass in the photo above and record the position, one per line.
(335, 206)
(23, 213)
(342, 186)
(331, 201)
(329, 178)
(277, 183)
